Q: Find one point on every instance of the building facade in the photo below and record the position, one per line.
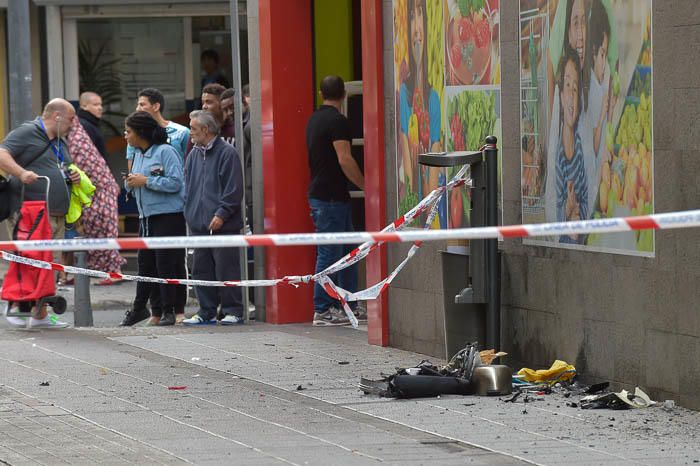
(621, 309)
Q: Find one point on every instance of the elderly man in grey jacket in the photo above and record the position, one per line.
(214, 191)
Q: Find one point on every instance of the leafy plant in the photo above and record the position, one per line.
(467, 7)
(101, 77)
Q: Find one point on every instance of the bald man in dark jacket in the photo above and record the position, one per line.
(90, 114)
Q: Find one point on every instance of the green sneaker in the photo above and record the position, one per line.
(50, 321)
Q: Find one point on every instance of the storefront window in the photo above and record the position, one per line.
(125, 55)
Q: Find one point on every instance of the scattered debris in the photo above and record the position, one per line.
(103, 371)
(300, 388)
(621, 400)
(560, 371)
(513, 398)
(427, 380)
(178, 387)
(669, 405)
(343, 363)
(597, 388)
(269, 344)
(196, 359)
(44, 384)
(487, 356)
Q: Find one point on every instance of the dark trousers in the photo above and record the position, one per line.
(162, 263)
(221, 264)
(332, 217)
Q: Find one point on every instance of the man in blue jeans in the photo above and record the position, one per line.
(332, 166)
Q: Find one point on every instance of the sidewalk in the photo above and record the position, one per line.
(263, 394)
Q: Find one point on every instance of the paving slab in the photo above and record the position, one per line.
(112, 385)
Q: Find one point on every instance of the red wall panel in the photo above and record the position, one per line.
(375, 183)
(286, 69)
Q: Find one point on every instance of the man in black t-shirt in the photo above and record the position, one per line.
(332, 166)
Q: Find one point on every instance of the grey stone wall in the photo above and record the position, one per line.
(629, 320)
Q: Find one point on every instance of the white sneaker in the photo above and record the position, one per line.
(50, 321)
(231, 320)
(197, 320)
(17, 322)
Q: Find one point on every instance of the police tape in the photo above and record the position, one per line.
(665, 221)
(322, 278)
(429, 203)
(392, 233)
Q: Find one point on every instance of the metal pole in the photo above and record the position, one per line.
(256, 150)
(493, 266)
(240, 139)
(20, 62)
(83, 309)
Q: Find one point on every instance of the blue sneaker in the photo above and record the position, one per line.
(232, 320)
(197, 320)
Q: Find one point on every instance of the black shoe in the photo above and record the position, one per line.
(167, 319)
(134, 316)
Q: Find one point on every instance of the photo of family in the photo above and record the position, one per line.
(586, 118)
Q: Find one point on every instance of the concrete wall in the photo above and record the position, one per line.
(4, 103)
(629, 320)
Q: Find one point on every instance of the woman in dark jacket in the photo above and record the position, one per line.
(157, 182)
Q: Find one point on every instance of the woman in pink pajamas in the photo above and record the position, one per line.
(101, 219)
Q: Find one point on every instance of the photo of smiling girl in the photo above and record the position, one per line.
(571, 182)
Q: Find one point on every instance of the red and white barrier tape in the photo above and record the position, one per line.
(291, 280)
(667, 221)
(370, 241)
(430, 202)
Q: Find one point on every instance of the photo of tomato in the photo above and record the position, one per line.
(472, 41)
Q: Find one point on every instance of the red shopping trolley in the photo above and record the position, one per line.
(26, 286)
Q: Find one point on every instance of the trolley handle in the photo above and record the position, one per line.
(48, 188)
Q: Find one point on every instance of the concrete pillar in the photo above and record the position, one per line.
(54, 51)
(19, 46)
(70, 60)
(3, 77)
(187, 50)
(256, 150)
